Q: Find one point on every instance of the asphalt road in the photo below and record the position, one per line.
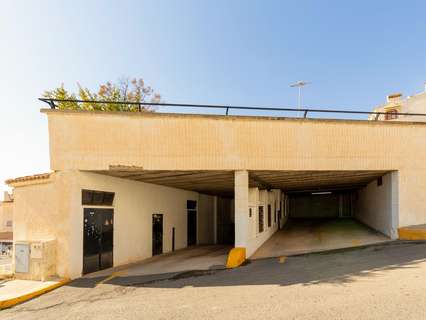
(382, 282)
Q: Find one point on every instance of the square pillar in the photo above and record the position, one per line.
(241, 193)
(394, 176)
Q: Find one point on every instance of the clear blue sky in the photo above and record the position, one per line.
(226, 52)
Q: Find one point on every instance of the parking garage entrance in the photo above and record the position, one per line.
(280, 212)
(332, 210)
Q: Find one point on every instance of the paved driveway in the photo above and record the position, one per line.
(381, 282)
(206, 257)
(314, 235)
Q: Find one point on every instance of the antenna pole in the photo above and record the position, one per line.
(299, 102)
(299, 85)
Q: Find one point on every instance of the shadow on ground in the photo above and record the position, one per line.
(338, 268)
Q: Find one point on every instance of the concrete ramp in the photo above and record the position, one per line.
(315, 235)
(203, 257)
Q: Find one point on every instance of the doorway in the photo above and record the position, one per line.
(157, 234)
(225, 221)
(191, 207)
(98, 239)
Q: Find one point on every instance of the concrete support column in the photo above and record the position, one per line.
(241, 188)
(395, 204)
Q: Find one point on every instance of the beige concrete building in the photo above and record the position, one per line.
(126, 186)
(6, 223)
(396, 108)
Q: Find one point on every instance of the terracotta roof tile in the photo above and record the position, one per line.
(39, 176)
(6, 236)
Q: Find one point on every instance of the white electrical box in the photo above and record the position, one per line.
(22, 257)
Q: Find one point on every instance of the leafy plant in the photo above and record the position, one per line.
(125, 90)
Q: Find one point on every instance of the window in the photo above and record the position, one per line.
(8, 223)
(260, 219)
(250, 212)
(391, 114)
(97, 198)
(269, 215)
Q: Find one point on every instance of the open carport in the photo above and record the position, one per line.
(128, 214)
(326, 210)
(314, 210)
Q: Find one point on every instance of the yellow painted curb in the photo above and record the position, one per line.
(412, 233)
(236, 257)
(14, 301)
(112, 276)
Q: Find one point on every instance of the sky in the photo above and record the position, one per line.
(244, 52)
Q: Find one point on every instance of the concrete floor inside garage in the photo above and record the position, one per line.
(331, 210)
(301, 236)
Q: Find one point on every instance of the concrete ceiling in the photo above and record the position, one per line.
(222, 182)
(293, 181)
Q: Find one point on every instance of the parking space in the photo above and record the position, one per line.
(313, 235)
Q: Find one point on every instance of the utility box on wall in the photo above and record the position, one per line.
(22, 257)
(35, 260)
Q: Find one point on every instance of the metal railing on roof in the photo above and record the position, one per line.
(141, 107)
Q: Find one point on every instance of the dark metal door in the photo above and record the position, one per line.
(98, 239)
(192, 227)
(157, 234)
(107, 240)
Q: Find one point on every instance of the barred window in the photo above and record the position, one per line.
(269, 215)
(260, 219)
(97, 198)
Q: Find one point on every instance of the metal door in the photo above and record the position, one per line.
(191, 206)
(157, 234)
(22, 257)
(192, 227)
(107, 240)
(98, 239)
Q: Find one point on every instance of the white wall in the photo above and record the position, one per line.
(134, 204)
(377, 206)
(261, 198)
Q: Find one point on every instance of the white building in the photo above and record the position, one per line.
(396, 106)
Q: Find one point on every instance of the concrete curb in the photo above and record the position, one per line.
(4, 304)
(346, 249)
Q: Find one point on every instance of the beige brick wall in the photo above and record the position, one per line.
(94, 141)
